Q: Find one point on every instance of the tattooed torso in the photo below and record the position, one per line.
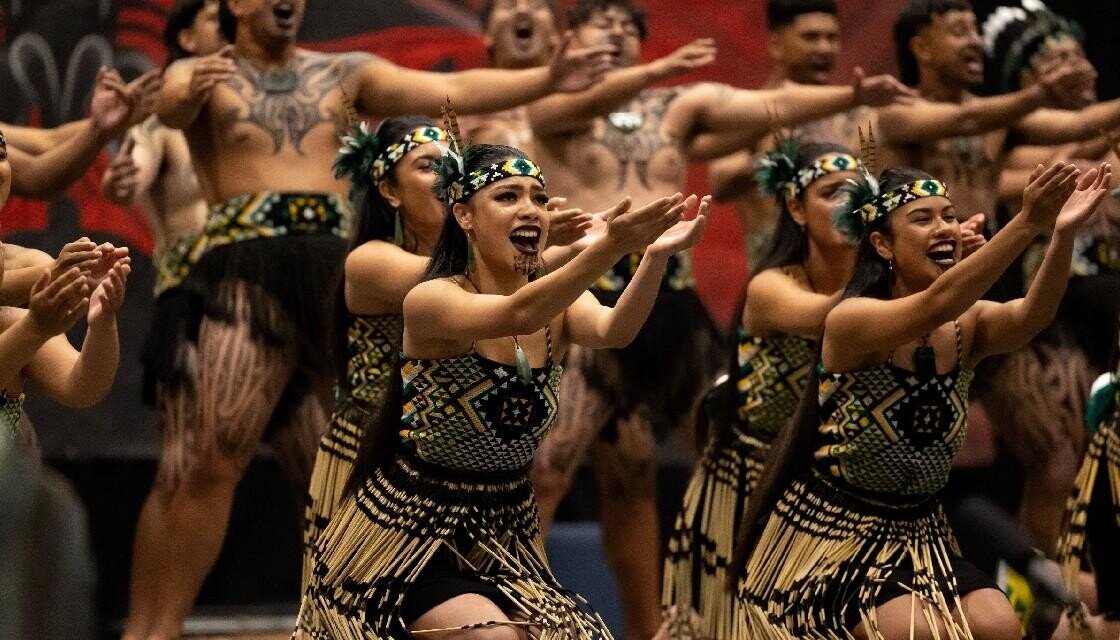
(633, 151)
(274, 129)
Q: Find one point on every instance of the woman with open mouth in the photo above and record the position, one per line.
(843, 536)
(442, 533)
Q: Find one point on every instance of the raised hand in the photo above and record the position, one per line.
(111, 104)
(1065, 82)
(108, 257)
(57, 303)
(1047, 191)
(107, 299)
(1091, 191)
(118, 184)
(144, 93)
(574, 70)
(210, 71)
(566, 226)
(694, 55)
(881, 90)
(972, 235)
(684, 234)
(633, 231)
(82, 254)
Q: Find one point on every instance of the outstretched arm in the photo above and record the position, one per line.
(861, 328)
(49, 174)
(591, 324)
(441, 311)
(557, 114)
(35, 140)
(385, 89)
(1056, 126)
(81, 379)
(1001, 328)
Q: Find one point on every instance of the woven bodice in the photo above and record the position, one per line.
(772, 376)
(372, 345)
(11, 410)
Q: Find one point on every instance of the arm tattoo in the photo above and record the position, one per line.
(288, 103)
(634, 137)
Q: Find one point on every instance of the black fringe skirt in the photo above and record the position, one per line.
(826, 558)
(282, 254)
(669, 365)
(410, 520)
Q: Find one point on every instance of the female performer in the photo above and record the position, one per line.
(441, 531)
(843, 537)
(396, 227)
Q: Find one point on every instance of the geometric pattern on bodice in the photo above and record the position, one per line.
(889, 431)
(11, 410)
(468, 413)
(372, 345)
(773, 373)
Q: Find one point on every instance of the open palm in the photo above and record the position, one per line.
(684, 234)
(1091, 191)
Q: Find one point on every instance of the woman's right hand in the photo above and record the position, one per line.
(1046, 192)
(57, 303)
(632, 231)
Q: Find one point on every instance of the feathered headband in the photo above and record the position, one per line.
(865, 204)
(361, 158)
(453, 184)
(1021, 30)
(777, 173)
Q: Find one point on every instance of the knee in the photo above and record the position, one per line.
(990, 616)
(202, 474)
(495, 633)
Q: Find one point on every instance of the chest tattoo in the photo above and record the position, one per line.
(633, 137)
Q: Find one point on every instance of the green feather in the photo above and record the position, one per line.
(354, 161)
(777, 167)
(846, 217)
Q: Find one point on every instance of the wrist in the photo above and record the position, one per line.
(657, 71)
(655, 255)
(1041, 94)
(33, 329)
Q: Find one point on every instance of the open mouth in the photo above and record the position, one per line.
(943, 254)
(284, 12)
(526, 239)
(973, 60)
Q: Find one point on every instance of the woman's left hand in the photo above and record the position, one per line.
(566, 226)
(684, 234)
(107, 299)
(1091, 190)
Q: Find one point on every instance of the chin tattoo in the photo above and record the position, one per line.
(527, 263)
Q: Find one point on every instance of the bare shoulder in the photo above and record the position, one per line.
(433, 290)
(369, 253)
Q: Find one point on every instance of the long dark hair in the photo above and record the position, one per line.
(788, 246)
(449, 258)
(792, 451)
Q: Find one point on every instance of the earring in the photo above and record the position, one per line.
(470, 254)
(890, 265)
(398, 231)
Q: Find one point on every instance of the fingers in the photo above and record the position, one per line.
(126, 148)
(556, 202)
(41, 283)
(1037, 174)
(976, 222)
(618, 209)
(228, 51)
(1088, 179)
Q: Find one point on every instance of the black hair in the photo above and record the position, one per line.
(449, 258)
(583, 11)
(782, 13)
(788, 246)
(227, 22)
(792, 451)
(487, 10)
(179, 18)
(916, 16)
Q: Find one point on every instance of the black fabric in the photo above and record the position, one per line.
(442, 580)
(175, 323)
(667, 367)
(1102, 530)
